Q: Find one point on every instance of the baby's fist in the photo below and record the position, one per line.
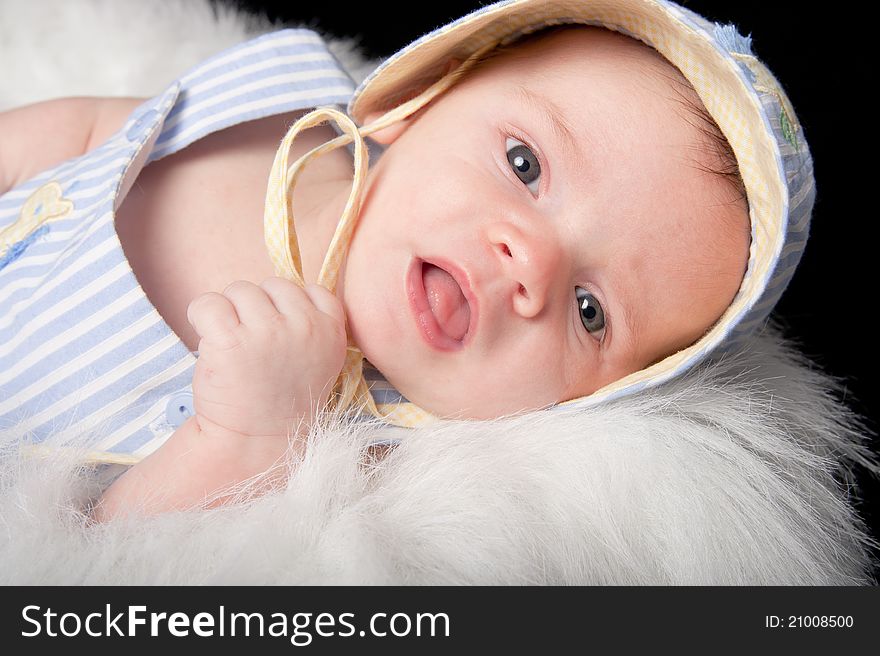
(268, 355)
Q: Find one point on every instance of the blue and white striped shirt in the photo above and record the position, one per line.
(82, 349)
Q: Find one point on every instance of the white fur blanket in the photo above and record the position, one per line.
(734, 474)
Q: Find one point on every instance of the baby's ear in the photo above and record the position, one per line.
(388, 135)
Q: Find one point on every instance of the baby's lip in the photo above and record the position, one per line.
(421, 309)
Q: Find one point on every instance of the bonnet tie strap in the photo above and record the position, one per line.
(350, 389)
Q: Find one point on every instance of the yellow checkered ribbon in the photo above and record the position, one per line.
(280, 234)
(350, 390)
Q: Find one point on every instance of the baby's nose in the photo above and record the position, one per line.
(530, 262)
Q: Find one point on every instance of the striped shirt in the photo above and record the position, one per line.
(82, 349)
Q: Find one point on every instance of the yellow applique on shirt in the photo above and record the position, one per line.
(45, 204)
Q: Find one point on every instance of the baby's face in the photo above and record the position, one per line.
(587, 248)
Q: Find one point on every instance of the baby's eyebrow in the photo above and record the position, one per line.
(555, 118)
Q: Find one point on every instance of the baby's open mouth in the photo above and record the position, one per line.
(448, 304)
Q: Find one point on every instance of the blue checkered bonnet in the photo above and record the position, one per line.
(743, 97)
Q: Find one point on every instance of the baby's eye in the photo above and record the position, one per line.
(592, 314)
(525, 164)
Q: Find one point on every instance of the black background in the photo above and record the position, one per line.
(824, 65)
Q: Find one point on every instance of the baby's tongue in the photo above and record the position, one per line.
(446, 300)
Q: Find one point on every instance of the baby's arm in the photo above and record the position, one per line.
(268, 356)
(39, 136)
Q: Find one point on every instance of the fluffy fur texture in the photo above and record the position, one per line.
(739, 473)
(54, 48)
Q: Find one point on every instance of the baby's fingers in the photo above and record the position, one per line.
(214, 318)
(293, 300)
(252, 303)
(326, 302)
(287, 297)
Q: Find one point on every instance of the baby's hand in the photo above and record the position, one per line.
(268, 356)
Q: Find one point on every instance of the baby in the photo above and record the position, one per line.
(565, 215)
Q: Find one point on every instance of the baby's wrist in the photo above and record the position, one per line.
(199, 468)
(253, 454)
(221, 434)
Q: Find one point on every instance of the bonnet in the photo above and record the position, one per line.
(739, 92)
